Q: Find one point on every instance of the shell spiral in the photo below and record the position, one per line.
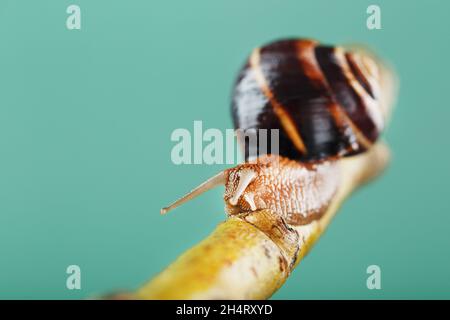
(325, 101)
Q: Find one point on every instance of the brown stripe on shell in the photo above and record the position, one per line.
(358, 73)
(351, 96)
(251, 110)
(371, 105)
(284, 116)
(310, 66)
(321, 98)
(286, 65)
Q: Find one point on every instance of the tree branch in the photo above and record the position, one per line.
(250, 256)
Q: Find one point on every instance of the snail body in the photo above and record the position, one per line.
(326, 103)
(298, 192)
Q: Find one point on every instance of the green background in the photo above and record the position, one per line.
(85, 124)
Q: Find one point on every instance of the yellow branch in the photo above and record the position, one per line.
(250, 256)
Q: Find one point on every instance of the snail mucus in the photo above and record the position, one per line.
(326, 102)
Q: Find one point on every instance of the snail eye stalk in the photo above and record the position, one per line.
(218, 179)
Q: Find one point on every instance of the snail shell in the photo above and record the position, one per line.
(326, 102)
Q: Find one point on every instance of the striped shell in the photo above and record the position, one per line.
(324, 100)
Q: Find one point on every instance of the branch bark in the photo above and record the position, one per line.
(250, 256)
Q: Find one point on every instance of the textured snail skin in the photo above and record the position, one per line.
(298, 192)
(326, 102)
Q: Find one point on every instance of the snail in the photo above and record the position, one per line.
(326, 102)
